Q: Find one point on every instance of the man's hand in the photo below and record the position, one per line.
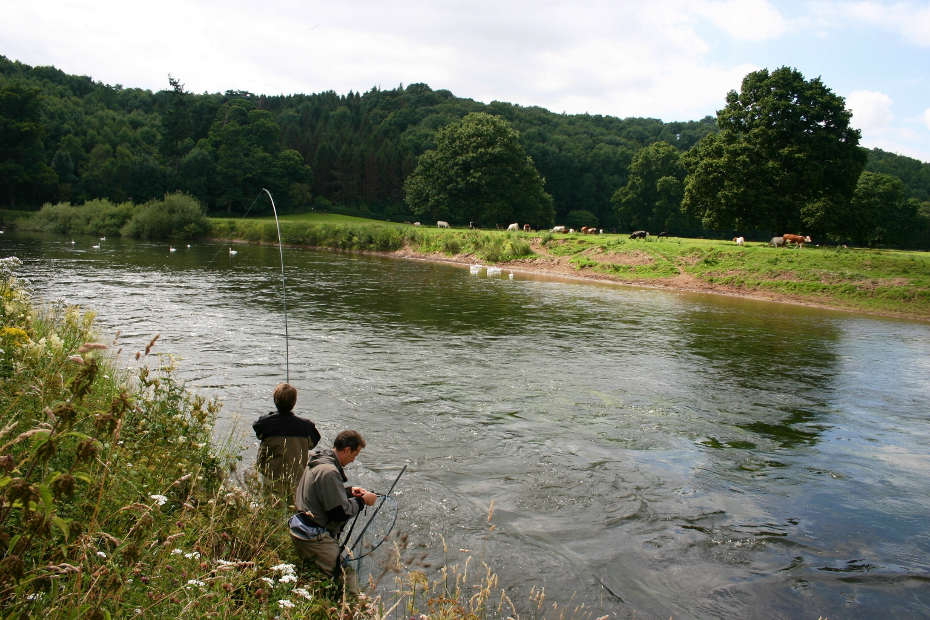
(367, 496)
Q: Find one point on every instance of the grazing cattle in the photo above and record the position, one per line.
(798, 240)
(571, 230)
(777, 242)
(558, 229)
(739, 240)
(527, 228)
(416, 223)
(639, 234)
(513, 226)
(472, 225)
(442, 224)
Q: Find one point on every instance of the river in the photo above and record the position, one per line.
(647, 453)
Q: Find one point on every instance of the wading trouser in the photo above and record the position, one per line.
(324, 551)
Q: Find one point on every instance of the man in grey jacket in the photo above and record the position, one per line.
(324, 506)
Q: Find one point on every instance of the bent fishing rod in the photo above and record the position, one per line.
(287, 366)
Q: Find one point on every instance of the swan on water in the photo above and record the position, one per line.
(96, 247)
(233, 252)
(171, 248)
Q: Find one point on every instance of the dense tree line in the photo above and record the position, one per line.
(69, 138)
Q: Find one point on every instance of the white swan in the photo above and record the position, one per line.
(172, 249)
(103, 238)
(233, 252)
(96, 247)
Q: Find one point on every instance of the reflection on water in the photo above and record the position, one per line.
(645, 452)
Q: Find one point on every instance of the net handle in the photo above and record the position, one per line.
(364, 529)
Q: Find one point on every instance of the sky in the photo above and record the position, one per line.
(674, 60)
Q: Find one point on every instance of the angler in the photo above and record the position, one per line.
(325, 505)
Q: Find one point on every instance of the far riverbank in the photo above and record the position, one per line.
(887, 283)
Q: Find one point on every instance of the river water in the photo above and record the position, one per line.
(646, 453)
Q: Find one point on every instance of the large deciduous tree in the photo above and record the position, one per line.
(785, 154)
(651, 198)
(479, 172)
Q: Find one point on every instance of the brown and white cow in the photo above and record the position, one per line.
(799, 240)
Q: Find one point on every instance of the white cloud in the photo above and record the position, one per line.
(910, 20)
(871, 110)
(926, 118)
(751, 20)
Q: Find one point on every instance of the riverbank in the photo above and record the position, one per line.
(561, 268)
(878, 282)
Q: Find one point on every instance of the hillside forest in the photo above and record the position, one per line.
(780, 156)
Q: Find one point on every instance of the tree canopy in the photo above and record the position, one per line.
(785, 158)
(785, 143)
(479, 172)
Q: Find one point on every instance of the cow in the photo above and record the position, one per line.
(442, 224)
(527, 228)
(739, 240)
(639, 234)
(416, 223)
(798, 240)
(558, 229)
(472, 225)
(515, 226)
(777, 242)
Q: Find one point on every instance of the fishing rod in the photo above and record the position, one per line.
(287, 366)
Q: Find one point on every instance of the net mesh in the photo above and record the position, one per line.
(375, 525)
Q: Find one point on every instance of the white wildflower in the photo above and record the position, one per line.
(177, 551)
(285, 604)
(267, 580)
(161, 499)
(289, 578)
(303, 592)
(195, 582)
(285, 568)
(193, 555)
(101, 554)
(226, 563)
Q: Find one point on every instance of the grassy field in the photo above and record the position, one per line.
(889, 282)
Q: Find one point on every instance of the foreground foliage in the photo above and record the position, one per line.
(113, 501)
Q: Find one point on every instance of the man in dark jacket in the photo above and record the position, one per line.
(286, 440)
(325, 505)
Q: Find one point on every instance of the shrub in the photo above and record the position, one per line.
(178, 216)
(95, 217)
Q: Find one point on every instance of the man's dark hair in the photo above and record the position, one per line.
(349, 439)
(285, 395)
